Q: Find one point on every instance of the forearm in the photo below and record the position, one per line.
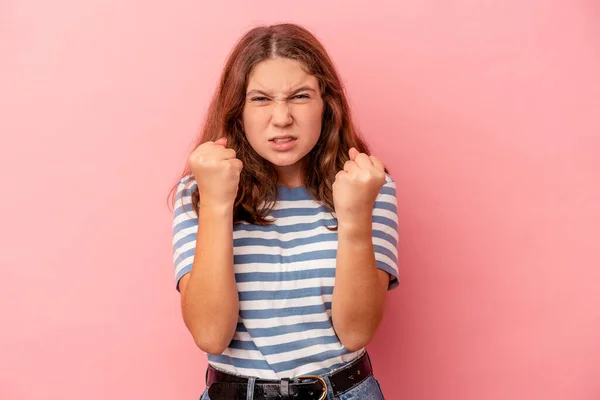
(210, 303)
(358, 299)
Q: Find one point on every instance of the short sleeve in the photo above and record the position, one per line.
(385, 231)
(185, 228)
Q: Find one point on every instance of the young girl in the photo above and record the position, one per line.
(284, 230)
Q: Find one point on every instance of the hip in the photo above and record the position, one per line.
(353, 381)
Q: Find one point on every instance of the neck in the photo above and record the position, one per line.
(290, 176)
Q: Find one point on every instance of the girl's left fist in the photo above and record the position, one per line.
(357, 186)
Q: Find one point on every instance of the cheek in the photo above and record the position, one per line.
(313, 119)
(318, 118)
(253, 122)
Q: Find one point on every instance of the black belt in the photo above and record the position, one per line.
(224, 386)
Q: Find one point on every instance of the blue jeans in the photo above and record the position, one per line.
(368, 389)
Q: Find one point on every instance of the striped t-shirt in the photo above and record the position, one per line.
(285, 274)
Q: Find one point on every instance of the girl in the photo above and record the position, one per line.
(284, 230)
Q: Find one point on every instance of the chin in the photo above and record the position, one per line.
(283, 159)
(278, 162)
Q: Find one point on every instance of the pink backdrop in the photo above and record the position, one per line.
(487, 114)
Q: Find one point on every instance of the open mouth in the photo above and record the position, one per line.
(283, 143)
(282, 139)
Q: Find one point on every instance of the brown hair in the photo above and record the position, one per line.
(258, 179)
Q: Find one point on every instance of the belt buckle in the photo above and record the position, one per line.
(321, 380)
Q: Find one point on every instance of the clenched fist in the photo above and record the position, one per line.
(356, 187)
(217, 173)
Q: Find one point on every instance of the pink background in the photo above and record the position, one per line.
(486, 112)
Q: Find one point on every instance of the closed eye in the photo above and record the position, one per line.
(302, 96)
(259, 99)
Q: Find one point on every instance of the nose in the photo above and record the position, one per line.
(281, 114)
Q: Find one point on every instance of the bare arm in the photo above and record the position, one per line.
(209, 297)
(360, 288)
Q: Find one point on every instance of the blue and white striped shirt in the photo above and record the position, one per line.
(285, 274)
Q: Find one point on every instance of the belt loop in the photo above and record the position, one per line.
(284, 388)
(250, 390)
(328, 387)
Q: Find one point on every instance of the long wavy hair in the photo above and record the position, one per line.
(258, 179)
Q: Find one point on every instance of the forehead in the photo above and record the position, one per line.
(280, 75)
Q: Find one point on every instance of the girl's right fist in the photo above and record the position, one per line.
(217, 172)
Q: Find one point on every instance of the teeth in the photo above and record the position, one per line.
(284, 140)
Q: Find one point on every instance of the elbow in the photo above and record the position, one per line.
(354, 343)
(354, 339)
(354, 336)
(211, 338)
(210, 345)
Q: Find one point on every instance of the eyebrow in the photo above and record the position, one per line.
(300, 89)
